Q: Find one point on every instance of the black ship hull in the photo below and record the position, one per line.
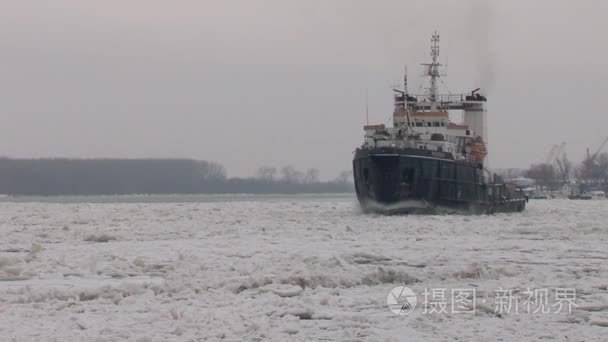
(400, 180)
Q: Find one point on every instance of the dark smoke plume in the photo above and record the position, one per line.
(481, 31)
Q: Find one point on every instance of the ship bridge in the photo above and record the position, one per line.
(415, 103)
(423, 120)
(472, 104)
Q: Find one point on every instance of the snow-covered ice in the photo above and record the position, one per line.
(290, 268)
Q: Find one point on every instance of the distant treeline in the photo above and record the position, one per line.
(59, 176)
(558, 172)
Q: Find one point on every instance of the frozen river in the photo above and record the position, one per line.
(284, 268)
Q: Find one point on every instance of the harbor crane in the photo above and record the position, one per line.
(555, 153)
(592, 158)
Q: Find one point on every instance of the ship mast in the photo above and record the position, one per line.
(406, 97)
(405, 83)
(432, 70)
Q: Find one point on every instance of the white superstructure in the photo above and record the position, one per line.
(423, 121)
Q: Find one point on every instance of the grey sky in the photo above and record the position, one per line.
(278, 82)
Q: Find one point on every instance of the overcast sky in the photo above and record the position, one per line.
(275, 82)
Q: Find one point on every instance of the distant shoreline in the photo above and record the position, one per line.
(171, 198)
(111, 177)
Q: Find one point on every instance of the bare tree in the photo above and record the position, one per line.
(266, 173)
(543, 174)
(593, 168)
(344, 176)
(311, 176)
(602, 165)
(291, 175)
(211, 171)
